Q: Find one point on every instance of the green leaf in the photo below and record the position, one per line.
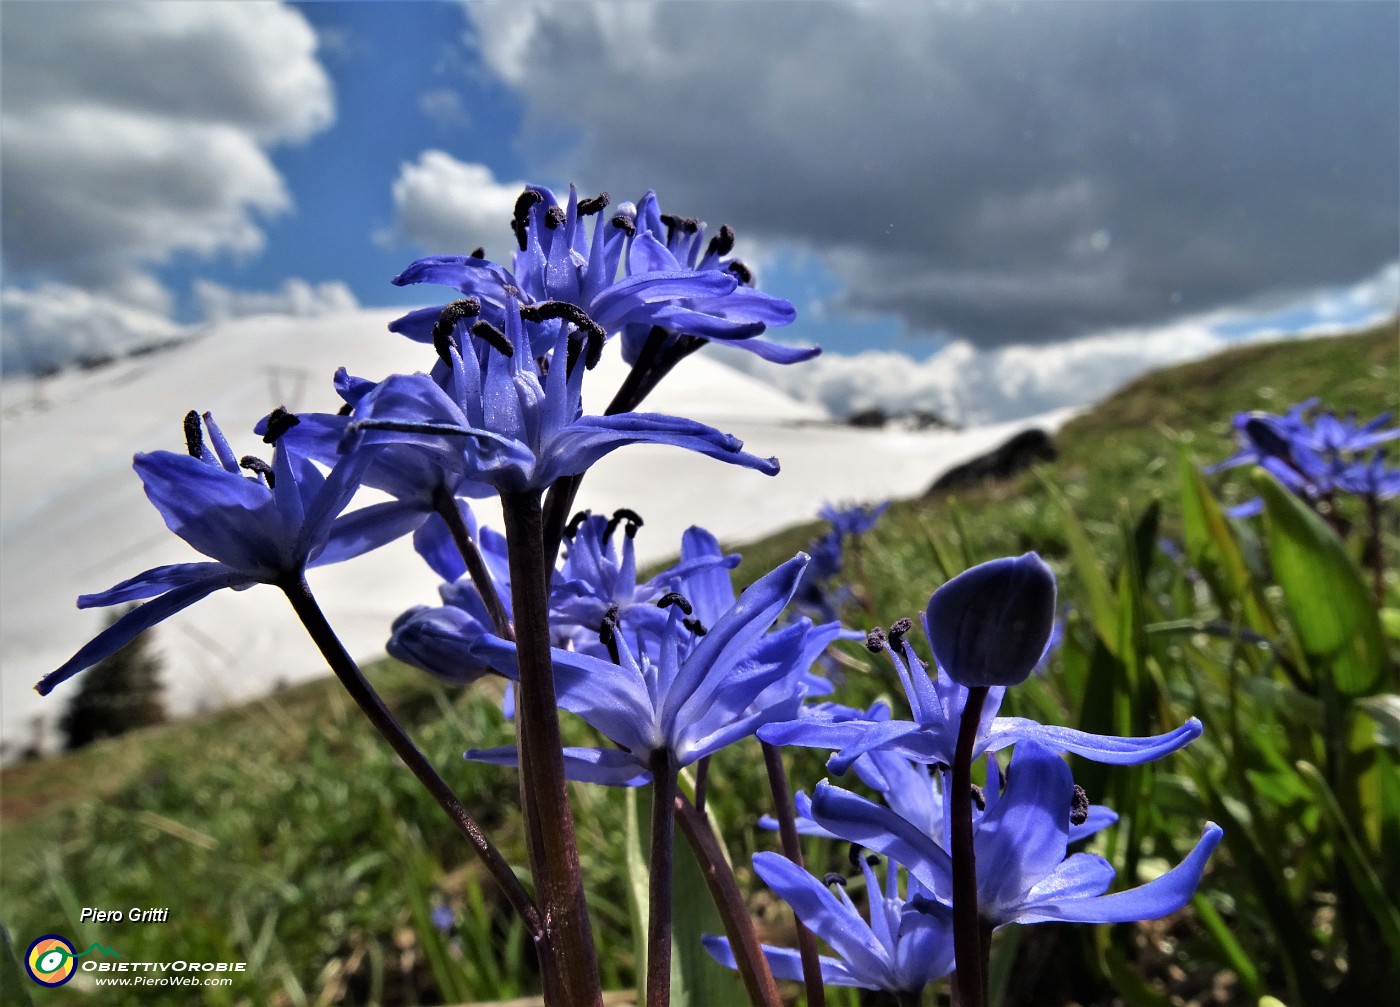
(1103, 604)
(1325, 591)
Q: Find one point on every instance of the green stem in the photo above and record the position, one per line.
(554, 857)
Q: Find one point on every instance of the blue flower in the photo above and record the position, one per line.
(936, 703)
(854, 519)
(698, 695)
(264, 528)
(1021, 841)
(503, 418)
(559, 262)
(906, 944)
(991, 624)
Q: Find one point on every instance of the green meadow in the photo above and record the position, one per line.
(286, 835)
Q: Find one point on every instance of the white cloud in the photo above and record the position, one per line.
(295, 297)
(973, 385)
(137, 132)
(442, 206)
(445, 107)
(53, 324)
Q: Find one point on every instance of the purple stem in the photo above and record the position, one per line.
(792, 849)
(969, 980)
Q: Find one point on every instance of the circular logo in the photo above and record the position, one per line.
(50, 961)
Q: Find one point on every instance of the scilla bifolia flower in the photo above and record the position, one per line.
(259, 523)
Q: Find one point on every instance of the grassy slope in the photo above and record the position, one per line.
(267, 820)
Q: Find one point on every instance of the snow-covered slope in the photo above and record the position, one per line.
(73, 518)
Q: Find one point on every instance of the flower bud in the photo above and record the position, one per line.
(989, 625)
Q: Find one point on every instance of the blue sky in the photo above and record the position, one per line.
(914, 178)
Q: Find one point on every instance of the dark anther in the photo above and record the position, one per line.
(979, 798)
(741, 271)
(834, 879)
(571, 529)
(633, 519)
(478, 252)
(572, 313)
(674, 223)
(279, 421)
(588, 207)
(853, 854)
(492, 337)
(875, 640)
(695, 626)
(723, 242)
(194, 435)
(675, 598)
(624, 223)
(510, 290)
(451, 314)
(254, 464)
(594, 339)
(872, 860)
(554, 217)
(607, 633)
(345, 410)
(898, 630)
(520, 221)
(1079, 806)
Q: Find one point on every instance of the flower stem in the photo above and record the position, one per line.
(702, 780)
(724, 891)
(971, 952)
(345, 668)
(447, 507)
(663, 830)
(554, 858)
(792, 849)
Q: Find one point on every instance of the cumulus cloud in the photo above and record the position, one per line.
(1003, 173)
(974, 385)
(135, 132)
(445, 107)
(443, 205)
(295, 297)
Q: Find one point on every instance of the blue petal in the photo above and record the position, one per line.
(609, 767)
(824, 914)
(784, 963)
(150, 583)
(137, 621)
(777, 353)
(589, 438)
(1022, 837)
(1157, 898)
(857, 820)
(989, 625)
(366, 529)
(1108, 749)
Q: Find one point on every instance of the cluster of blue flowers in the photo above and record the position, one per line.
(1316, 458)
(669, 670)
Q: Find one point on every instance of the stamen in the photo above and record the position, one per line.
(493, 337)
(572, 313)
(571, 529)
(979, 797)
(607, 633)
(675, 598)
(875, 640)
(588, 207)
(194, 434)
(255, 464)
(833, 878)
(279, 421)
(624, 223)
(633, 519)
(554, 218)
(853, 854)
(741, 271)
(1079, 806)
(345, 410)
(448, 318)
(898, 630)
(479, 252)
(722, 243)
(872, 859)
(695, 626)
(520, 221)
